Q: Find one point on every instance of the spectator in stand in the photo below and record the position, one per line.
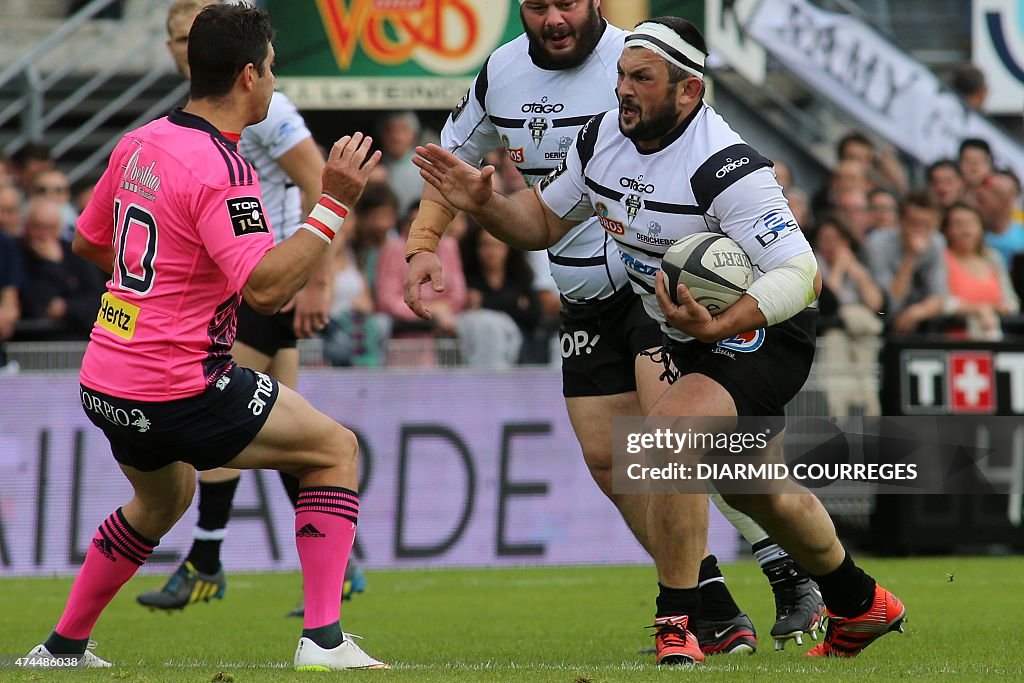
(28, 162)
(377, 220)
(502, 308)
(6, 172)
(356, 335)
(800, 205)
(975, 161)
(10, 211)
(880, 163)
(11, 279)
(444, 306)
(850, 346)
(852, 208)
(884, 210)
(61, 290)
(979, 284)
(52, 184)
(909, 266)
(848, 175)
(996, 199)
(398, 136)
(783, 175)
(970, 84)
(945, 183)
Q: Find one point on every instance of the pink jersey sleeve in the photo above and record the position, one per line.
(235, 229)
(96, 224)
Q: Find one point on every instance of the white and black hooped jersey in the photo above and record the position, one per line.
(262, 145)
(536, 114)
(703, 178)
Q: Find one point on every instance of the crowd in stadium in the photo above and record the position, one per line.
(944, 258)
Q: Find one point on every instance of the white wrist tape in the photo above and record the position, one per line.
(786, 289)
(326, 218)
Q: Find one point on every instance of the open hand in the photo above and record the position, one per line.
(348, 168)
(464, 186)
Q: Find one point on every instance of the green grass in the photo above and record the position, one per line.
(570, 625)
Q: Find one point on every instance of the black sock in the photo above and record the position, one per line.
(328, 637)
(57, 644)
(847, 591)
(716, 602)
(676, 601)
(214, 512)
(291, 486)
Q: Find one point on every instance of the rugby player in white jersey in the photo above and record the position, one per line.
(698, 175)
(532, 96)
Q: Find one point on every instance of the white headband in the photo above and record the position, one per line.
(669, 45)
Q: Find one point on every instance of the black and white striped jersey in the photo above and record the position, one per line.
(262, 145)
(703, 178)
(536, 114)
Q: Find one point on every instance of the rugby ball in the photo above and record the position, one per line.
(715, 269)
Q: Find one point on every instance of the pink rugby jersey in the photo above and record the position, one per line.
(182, 209)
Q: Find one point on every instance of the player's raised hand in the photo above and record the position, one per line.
(348, 168)
(689, 316)
(464, 186)
(424, 267)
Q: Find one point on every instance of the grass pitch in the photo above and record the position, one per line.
(570, 625)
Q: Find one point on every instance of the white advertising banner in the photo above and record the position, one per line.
(997, 48)
(875, 82)
(460, 468)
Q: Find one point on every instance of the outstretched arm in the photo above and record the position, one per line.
(521, 220)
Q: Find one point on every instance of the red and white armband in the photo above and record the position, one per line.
(326, 218)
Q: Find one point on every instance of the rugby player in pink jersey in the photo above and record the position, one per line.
(178, 220)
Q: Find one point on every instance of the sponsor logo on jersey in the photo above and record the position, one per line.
(578, 343)
(543, 107)
(538, 126)
(633, 204)
(460, 107)
(116, 316)
(259, 397)
(777, 224)
(612, 226)
(745, 342)
(516, 154)
(143, 181)
(223, 383)
(653, 230)
(247, 216)
(564, 143)
(637, 184)
(730, 166)
(637, 265)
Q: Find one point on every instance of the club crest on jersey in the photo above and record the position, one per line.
(633, 204)
(460, 107)
(612, 226)
(745, 342)
(247, 217)
(538, 126)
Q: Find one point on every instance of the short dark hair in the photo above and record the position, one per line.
(975, 143)
(375, 196)
(968, 79)
(223, 40)
(31, 151)
(919, 199)
(942, 163)
(689, 32)
(850, 138)
(1011, 175)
